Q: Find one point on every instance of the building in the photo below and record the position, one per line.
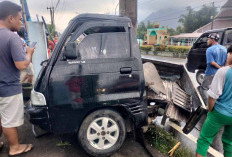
(156, 36)
(222, 20)
(186, 39)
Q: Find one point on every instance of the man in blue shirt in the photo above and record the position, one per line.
(220, 111)
(216, 56)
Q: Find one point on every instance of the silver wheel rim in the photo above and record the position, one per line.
(201, 78)
(103, 133)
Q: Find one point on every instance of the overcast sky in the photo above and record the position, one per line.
(67, 9)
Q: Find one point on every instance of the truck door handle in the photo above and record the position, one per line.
(126, 70)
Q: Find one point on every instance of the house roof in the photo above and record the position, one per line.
(227, 4)
(187, 35)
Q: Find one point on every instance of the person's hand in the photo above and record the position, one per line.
(27, 77)
(30, 50)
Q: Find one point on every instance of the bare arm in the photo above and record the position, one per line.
(211, 103)
(215, 65)
(21, 65)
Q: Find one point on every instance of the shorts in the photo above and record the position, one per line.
(12, 111)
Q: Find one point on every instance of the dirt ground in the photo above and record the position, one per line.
(46, 146)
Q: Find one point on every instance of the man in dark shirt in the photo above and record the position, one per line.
(12, 59)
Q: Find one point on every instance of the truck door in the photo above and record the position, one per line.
(227, 38)
(104, 74)
(197, 54)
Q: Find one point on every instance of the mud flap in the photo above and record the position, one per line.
(139, 136)
(193, 120)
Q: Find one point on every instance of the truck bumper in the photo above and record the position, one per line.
(38, 116)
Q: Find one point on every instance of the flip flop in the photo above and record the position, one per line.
(23, 152)
(1, 145)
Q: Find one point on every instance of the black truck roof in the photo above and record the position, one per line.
(101, 17)
(218, 30)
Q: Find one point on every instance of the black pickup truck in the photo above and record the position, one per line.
(93, 84)
(196, 59)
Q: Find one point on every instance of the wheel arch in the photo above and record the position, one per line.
(119, 109)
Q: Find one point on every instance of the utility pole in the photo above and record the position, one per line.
(129, 8)
(51, 14)
(212, 17)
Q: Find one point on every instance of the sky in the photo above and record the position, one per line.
(67, 9)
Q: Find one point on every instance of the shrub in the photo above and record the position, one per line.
(146, 48)
(159, 48)
(179, 49)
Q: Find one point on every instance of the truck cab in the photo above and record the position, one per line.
(93, 84)
(196, 59)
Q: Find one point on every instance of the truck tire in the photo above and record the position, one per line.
(200, 76)
(102, 133)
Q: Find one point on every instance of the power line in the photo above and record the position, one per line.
(57, 4)
(52, 3)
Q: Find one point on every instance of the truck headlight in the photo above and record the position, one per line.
(37, 98)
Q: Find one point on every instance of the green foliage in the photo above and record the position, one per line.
(149, 25)
(171, 31)
(146, 48)
(179, 30)
(196, 19)
(165, 141)
(159, 48)
(142, 29)
(178, 49)
(52, 29)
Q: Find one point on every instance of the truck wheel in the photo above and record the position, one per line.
(200, 76)
(102, 133)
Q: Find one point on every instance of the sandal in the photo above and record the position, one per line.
(24, 151)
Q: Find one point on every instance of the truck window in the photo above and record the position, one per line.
(202, 42)
(103, 42)
(228, 37)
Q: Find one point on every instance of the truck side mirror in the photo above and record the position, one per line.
(44, 63)
(70, 51)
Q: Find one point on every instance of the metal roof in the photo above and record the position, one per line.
(187, 35)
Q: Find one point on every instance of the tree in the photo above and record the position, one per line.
(189, 20)
(52, 29)
(141, 30)
(149, 25)
(179, 30)
(196, 19)
(171, 31)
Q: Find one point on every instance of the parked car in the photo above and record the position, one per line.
(196, 59)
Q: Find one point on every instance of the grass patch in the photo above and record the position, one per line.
(165, 141)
